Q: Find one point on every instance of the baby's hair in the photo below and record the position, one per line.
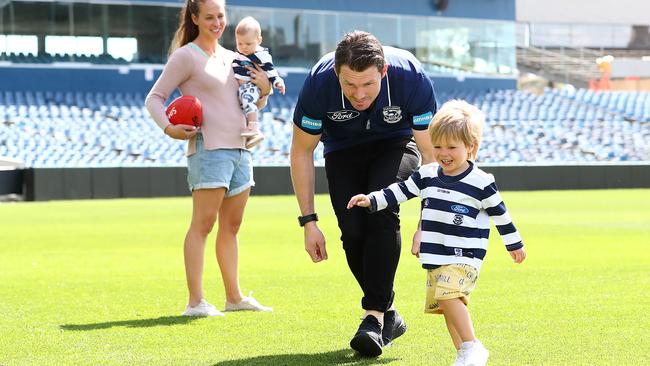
(248, 24)
(459, 120)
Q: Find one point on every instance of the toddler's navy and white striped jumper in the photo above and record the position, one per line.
(456, 213)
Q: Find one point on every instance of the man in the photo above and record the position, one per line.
(366, 103)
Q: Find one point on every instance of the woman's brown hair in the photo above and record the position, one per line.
(187, 31)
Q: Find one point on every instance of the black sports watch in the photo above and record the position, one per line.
(302, 220)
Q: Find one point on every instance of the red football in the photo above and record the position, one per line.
(185, 110)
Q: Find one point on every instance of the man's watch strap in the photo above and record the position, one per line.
(302, 220)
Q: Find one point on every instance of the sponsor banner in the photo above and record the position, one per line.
(342, 115)
(312, 124)
(423, 119)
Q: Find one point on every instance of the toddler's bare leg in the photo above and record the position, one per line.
(457, 315)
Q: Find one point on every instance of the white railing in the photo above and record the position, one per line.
(7, 163)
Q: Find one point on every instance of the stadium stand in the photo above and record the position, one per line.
(71, 107)
(77, 129)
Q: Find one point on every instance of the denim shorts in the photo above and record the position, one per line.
(228, 168)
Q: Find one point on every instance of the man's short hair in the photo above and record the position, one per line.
(359, 50)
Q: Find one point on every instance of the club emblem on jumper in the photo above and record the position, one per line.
(342, 115)
(392, 114)
(458, 219)
(245, 63)
(458, 252)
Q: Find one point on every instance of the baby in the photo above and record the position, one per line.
(248, 36)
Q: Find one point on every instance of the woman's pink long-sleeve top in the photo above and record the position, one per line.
(211, 79)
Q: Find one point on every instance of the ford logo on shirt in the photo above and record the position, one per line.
(343, 115)
(460, 209)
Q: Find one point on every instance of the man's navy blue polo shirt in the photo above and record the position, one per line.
(406, 101)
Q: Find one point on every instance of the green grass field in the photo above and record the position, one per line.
(102, 283)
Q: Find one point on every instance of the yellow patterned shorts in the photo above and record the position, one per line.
(449, 282)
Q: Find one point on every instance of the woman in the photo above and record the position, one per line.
(220, 171)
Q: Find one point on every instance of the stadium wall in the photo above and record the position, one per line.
(135, 78)
(139, 78)
(75, 78)
(90, 183)
(11, 181)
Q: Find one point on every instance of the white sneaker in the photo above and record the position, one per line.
(203, 308)
(247, 303)
(460, 359)
(472, 354)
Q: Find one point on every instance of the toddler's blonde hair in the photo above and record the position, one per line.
(459, 120)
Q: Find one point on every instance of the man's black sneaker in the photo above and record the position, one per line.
(367, 340)
(394, 326)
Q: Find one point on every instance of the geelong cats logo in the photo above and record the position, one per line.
(343, 115)
(458, 219)
(392, 114)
